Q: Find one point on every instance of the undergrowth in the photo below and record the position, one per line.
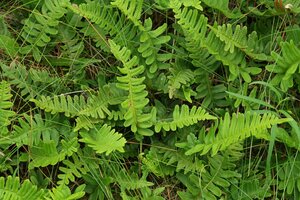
(158, 99)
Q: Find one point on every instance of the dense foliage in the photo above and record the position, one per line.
(157, 99)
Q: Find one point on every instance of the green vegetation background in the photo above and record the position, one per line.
(156, 99)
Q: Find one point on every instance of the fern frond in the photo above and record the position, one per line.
(71, 170)
(103, 140)
(212, 94)
(5, 105)
(32, 130)
(183, 116)
(236, 37)
(217, 178)
(150, 45)
(137, 94)
(64, 192)
(95, 106)
(54, 154)
(107, 19)
(61, 104)
(9, 45)
(40, 26)
(11, 188)
(288, 175)
(223, 7)
(286, 65)
(72, 45)
(132, 9)
(179, 77)
(30, 82)
(131, 182)
(235, 129)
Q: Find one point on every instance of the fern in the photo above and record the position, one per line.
(71, 170)
(61, 104)
(11, 188)
(236, 37)
(107, 19)
(286, 65)
(235, 129)
(9, 45)
(95, 106)
(211, 183)
(288, 175)
(223, 7)
(131, 182)
(104, 140)
(182, 117)
(5, 105)
(33, 130)
(131, 8)
(151, 41)
(179, 77)
(64, 192)
(54, 154)
(31, 82)
(72, 43)
(136, 99)
(39, 27)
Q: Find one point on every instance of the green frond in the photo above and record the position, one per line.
(70, 106)
(288, 175)
(235, 129)
(286, 65)
(132, 81)
(31, 82)
(180, 77)
(87, 123)
(222, 6)
(71, 169)
(108, 19)
(131, 8)
(132, 181)
(72, 45)
(183, 116)
(40, 26)
(64, 192)
(11, 188)
(95, 106)
(150, 44)
(54, 154)
(236, 37)
(213, 95)
(103, 140)
(217, 178)
(33, 130)
(5, 107)
(9, 46)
